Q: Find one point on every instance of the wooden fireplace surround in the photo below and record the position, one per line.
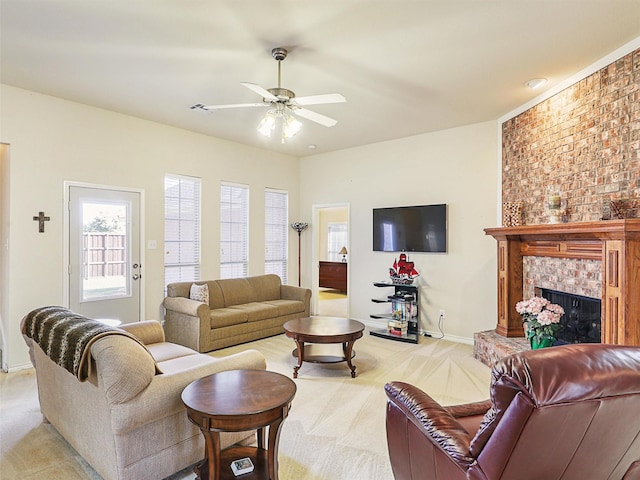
(615, 242)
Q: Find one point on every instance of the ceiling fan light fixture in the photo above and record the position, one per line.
(268, 123)
(290, 127)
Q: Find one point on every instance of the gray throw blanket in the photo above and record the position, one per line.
(66, 337)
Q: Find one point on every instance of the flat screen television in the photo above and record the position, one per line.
(421, 228)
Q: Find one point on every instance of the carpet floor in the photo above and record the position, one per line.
(335, 429)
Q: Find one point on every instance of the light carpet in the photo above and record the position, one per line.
(332, 303)
(335, 429)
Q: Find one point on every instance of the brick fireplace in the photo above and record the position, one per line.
(614, 243)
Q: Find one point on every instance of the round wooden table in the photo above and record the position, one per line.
(323, 330)
(235, 401)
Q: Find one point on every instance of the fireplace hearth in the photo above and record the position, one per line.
(581, 320)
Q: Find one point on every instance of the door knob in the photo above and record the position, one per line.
(136, 276)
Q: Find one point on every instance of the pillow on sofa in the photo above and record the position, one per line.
(199, 293)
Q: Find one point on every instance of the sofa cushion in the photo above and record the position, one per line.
(216, 298)
(236, 291)
(225, 317)
(166, 351)
(265, 287)
(257, 311)
(287, 307)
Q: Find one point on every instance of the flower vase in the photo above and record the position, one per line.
(541, 343)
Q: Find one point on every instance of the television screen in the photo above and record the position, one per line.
(420, 228)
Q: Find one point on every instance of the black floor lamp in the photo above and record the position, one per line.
(299, 227)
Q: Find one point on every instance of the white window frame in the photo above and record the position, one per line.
(182, 222)
(276, 232)
(234, 230)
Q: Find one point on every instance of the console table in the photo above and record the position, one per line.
(333, 275)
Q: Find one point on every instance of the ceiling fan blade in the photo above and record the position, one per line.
(315, 117)
(222, 107)
(320, 99)
(260, 91)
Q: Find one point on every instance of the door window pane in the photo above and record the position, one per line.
(106, 249)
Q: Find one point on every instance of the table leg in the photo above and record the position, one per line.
(209, 468)
(260, 433)
(274, 441)
(300, 350)
(347, 354)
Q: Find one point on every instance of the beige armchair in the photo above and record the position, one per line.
(127, 420)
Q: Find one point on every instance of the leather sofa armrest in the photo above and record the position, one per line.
(469, 409)
(186, 306)
(148, 331)
(432, 420)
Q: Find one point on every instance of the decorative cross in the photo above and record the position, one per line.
(41, 219)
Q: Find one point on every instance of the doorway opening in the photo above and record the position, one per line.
(331, 260)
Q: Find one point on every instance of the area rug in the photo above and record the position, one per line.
(335, 429)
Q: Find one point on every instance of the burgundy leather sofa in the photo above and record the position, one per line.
(561, 413)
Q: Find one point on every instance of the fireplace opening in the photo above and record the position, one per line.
(581, 320)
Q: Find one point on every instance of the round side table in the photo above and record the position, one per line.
(235, 401)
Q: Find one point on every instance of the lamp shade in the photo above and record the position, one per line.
(343, 251)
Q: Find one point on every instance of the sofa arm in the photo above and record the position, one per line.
(148, 331)
(186, 306)
(163, 395)
(124, 367)
(432, 420)
(290, 292)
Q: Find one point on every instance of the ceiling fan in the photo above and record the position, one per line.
(283, 102)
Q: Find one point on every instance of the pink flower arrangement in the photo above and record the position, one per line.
(542, 318)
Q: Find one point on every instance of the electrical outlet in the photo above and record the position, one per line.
(441, 313)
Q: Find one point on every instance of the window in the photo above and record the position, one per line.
(276, 217)
(337, 238)
(234, 231)
(181, 229)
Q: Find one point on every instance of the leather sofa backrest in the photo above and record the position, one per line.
(571, 411)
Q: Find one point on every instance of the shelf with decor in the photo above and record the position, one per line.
(402, 320)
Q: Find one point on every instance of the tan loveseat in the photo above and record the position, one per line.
(128, 421)
(240, 310)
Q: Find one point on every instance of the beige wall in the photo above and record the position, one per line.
(457, 167)
(52, 140)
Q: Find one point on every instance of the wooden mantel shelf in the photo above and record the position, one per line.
(615, 242)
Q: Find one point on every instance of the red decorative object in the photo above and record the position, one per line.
(403, 271)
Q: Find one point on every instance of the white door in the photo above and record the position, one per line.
(104, 253)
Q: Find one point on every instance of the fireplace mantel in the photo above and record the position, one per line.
(615, 242)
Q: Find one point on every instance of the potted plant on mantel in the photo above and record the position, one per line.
(541, 320)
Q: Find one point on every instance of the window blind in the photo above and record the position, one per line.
(181, 229)
(337, 236)
(276, 224)
(234, 230)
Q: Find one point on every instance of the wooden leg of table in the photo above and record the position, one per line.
(209, 468)
(300, 358)
(260, 433)
(274, 440)
(348, 354)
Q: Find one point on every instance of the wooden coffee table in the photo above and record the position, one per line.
(323, 330)
(236, 401)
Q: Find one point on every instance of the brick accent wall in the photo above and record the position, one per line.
(583, 142)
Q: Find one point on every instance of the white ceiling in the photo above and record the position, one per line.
(405, 66)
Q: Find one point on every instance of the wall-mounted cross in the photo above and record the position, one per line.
(41, 219)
